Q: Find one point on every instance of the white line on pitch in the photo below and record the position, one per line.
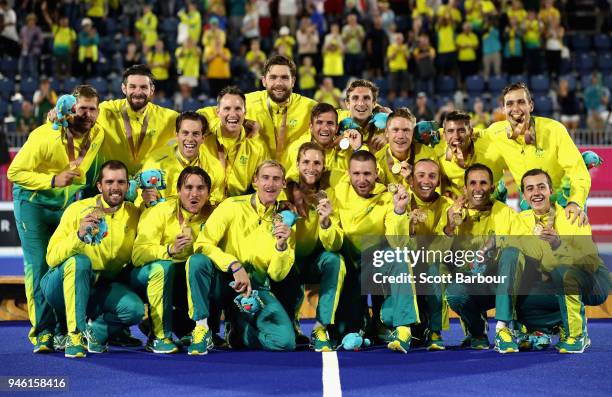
(331, 375)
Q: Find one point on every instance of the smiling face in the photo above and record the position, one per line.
(231, 110)
(193, 194)
(537, 192)
(269, 182)
(324, 127)
(478, 189)
(425, 180)
(279, 83)
(517, 106)
(363, 176)
(399, 132)
(138, 90)
(113, 186)
(311, 164)
(457, 133)
(360, 102)
(86, 114)
(190, 137)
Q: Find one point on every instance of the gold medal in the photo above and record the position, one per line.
(419, 215)
(392, 188)
(320, 195)
(397, 168)
(538, 229)
(186, 231)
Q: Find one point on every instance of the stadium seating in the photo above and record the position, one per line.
(7, 88)
(164, 102)
(445, 85)
(70, 84)
(602, 42)
(27, 88)
(191, 104)
(474, 85)
(496, 84)
(580, 42)
(584, 62)
(403, 102)
(540, 84)
(543, 106)
(518, 78)
(100, 84)
(571, 80)
(604, 62)
(8, 66)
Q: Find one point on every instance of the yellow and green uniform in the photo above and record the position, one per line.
(366, 130)
(554, 152)
(147, 26)
(453, 174)
(170, 160)
(241, 157)
(331, 97)
(288, 42)
(193, 20)
(365, 222)
(188, 61)
(240, 230)
(39, 205)
(85, 281)
(385, 160)
(532, 34)
(336, 160)
(307, 78)
(520, 14)
(213, 36)
(157, 275)
(63, 39)
(469, 44)
(400, 62)
(501, 224)
(449, 12)
(333, 60)
(96, 9)
(159, 62)
(218, 68)
(317, 261)
(579, 276)
(159, 131)
(475, 13)
(446, 38)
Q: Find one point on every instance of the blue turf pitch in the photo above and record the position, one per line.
(376, 371)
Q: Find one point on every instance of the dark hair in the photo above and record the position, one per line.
(362, 83)
(403, 113)
(321, 108)
(477, 167)
(112, 165)
(534, 172)
(458, 115)
(426, 160)
(138, 70)
(85, 91)
(304, 147)
(362, 155)
(191, 115)
(193, 170)
(280, 60)
(514, 87)
(231, 90)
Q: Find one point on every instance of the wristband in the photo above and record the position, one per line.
(168, 250)
(53, 182)
(234, 270)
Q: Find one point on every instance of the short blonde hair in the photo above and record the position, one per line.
(269, 163)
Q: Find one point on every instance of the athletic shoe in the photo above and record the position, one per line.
(479, 342)
(504, 342)
(124, 338)
(59, 341)
(44, 342)
(320, 340)
(74, 346)
(574, 345)
(401, 339)
(219, 342)
(93, 345)
(301, 340)
(562, 338)
(202, 341)
(435, 341)
(161, 346)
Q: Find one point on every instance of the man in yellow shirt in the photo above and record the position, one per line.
(398, 55)
(366, 208)
(580, 278)
(526, 142)
(318, 238)
(190, 130)
(147, 27)
(86, 277)
(244, 233)
(467, 44)
(461, 148)
(218, 73)
(135, 126)
(396, 159)
(486, 235)
(167, 273)
(227, 153)
(323, 130)
(424, 180)
(50, 172)
(361, 96)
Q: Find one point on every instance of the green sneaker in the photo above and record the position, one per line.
(401, 340)
(562, 338)
(59, 341)
(435, 341)
(504, 342)
(124, 338)
(201, 342)
(320, 340)
(74, 346)
(574, 345)
(479, 342)
(44, 342)
(93, 345)
(161, 346)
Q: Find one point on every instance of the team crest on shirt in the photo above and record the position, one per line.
(539, 152)
(292, 123)
(244, 159)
